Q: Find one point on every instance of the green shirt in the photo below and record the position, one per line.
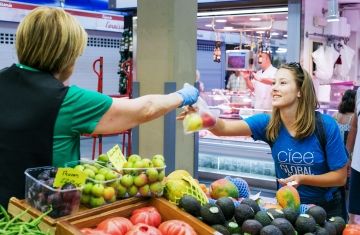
(79, 114)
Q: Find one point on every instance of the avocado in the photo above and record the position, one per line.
(251, 227)
(318, 213)
(271, 230)
(284, 225)
(321, 231)
(232, 227)
(330, 227)
(275, 213)
(190, 205)
(339, 223)
(263, 218)
(227, 207)
(305, 223)
(290, 214)
(243, 212)
(221, 229)
(251, 203)
(212, 214)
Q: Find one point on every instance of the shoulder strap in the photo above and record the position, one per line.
(320, 131)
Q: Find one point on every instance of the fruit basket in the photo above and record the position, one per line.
(40, 193)
(101, 186)
(167, 211)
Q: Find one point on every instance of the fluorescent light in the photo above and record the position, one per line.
(260, 32)
(285, 35)
(255, 19)
(274, 33)
(228, 27)
(221, 20)
(209, 25)
(243, 11)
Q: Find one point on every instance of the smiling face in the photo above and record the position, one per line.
(285, 92)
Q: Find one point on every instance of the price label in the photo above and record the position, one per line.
(116, 157)
(69, 175)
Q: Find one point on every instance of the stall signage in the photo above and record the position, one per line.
(69, 175)
(116, 157)
(15, 12)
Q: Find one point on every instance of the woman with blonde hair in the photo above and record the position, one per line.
(318, 171)
(41, 118)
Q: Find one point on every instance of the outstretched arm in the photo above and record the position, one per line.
(127, 113)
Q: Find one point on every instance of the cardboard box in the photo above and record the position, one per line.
(167, 210)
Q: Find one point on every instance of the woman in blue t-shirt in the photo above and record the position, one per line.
(296, 150)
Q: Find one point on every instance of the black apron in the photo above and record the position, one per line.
(29, 105)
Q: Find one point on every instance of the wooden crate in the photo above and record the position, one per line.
(16, 206)
(167, 210)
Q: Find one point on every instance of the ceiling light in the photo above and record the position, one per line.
(255, 19)
(260, 32)
(274, 33)
(221, 20)
(209, 25)
(227, 28)
(285, 35)
(244, 11)
(333, 11)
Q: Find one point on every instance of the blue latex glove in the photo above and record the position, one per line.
(189, 94)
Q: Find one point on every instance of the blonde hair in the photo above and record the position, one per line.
(49, 39)
(305, 113)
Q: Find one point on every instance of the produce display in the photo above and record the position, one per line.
(102, 184)
(140, 176)
(13, 225)
(143, 221)
(40, 193)
(228, 214)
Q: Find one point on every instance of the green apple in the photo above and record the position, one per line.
(134, 158)
(93, 168)
(161, 175)
(158, 163)
(147, 162)
(103, 171)
(144, 190)
(99, 177)
(127, 167)
(110, 175)
(152, 174)
(96, 201)
(90, 173)
(139, 164)
(127, 180)
(103, 158)
(156, 188)
(158, 156)
(121, 191)
(140, 180)
(85, 198)
(97, 190)
(132, 190)
(109, 193)
(193, 122)
(87, 188)
(79, 167)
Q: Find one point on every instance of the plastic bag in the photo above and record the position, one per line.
(203, 118)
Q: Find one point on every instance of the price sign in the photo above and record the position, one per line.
(69, 175)
(116, 157)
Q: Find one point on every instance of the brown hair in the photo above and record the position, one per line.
(305, 113)
(49, 39)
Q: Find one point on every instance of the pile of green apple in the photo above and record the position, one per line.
(141, 176)
(101, 185)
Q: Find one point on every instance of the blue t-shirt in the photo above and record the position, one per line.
(293, 156)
